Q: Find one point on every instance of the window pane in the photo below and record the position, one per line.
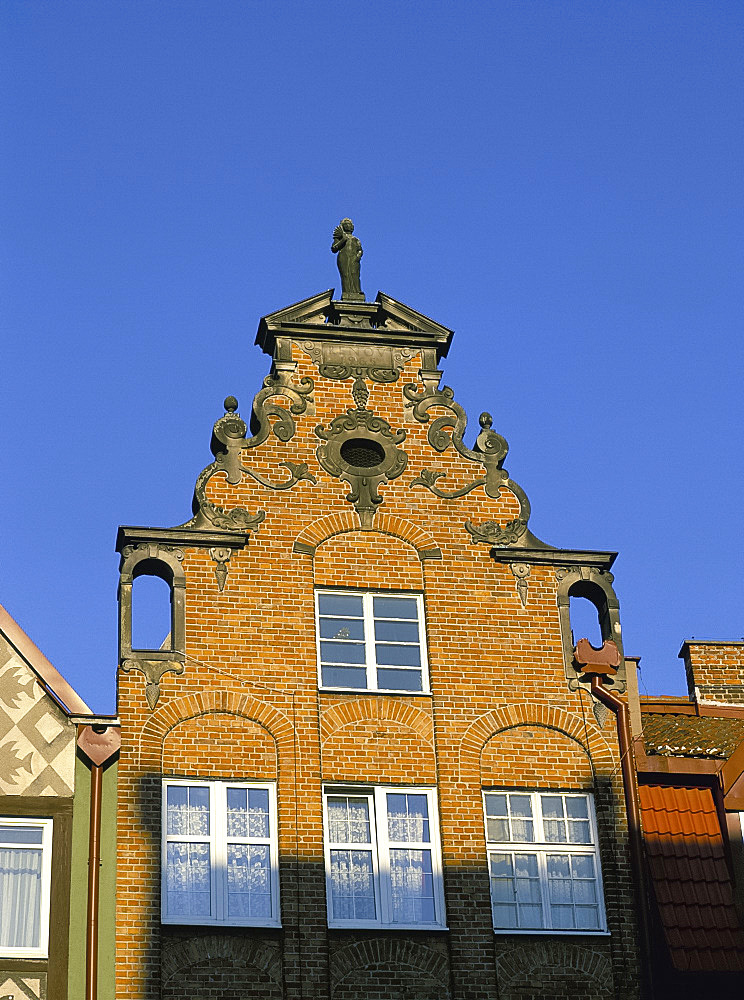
(577, 808)
(399, 680)
(501, 866)
(562, 916)
(525, 865)
(558, 866)
(496, 805)
(340, 605)
(522, 830)
(248, 881)
(530, 916)
(348, 820)
(587, 917)
(386, 631)
(520, 805)
(582, 866)
(504, 915)
(397, 656)
(497, 830)
(342, 652)
(395, 607)
(21, 835)
(188, 880)
(578, 831)
(346, 677)
(352, 885)
(20, 895)
(187, 812)
(552, 806)
(412, 885)
(408, 818)
(584, 891)
(341, 628)
(248, 812)
(555, 831)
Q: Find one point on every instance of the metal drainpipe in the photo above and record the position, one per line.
(99, 743)
(632, 807)
(94, 871)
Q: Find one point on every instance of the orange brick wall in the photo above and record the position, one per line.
(249, 698)
(715, 670)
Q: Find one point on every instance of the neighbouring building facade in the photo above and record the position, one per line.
(366, 761)
(56, 939)
(689, 754)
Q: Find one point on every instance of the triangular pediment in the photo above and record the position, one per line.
(323, 317)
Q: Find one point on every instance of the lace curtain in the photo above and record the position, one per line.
(20, 894)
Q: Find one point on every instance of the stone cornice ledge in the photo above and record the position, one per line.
(553, 557)
(186, 538)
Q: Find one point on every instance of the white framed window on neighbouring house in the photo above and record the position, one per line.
(543, 862)
(25, 880)
(383, 858)
(219, 854)
(371, 641)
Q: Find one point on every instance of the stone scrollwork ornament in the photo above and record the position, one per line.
(361, 449)
(220, 555)
(520, 572)
(153, 671)
(229, 442)
(489, 451)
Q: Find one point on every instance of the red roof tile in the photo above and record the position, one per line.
(692, 882)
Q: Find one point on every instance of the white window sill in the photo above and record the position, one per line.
(365, 925)
(23, 953)
(550, 931)
(409, 694)
(201, 922)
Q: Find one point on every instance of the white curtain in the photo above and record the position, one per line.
(20, 897)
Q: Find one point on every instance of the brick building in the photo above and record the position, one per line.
(363, 762)
(689, 754)
(57, 770)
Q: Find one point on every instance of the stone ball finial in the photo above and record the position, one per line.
(231, 404)
(485, 420)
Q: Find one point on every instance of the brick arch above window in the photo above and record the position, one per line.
(392, 953)
(179, 710)
(377, 709)
(216, 949)
(220, 745)
(583, 731)
(367, 559)
(387, 524)
(537, 756)
(523, 965)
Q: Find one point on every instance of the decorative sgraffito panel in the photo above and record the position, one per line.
(23, 987)
(37, 744)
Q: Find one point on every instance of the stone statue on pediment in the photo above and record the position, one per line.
(349, 259)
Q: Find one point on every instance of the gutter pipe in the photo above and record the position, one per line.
(100, 744)
(632, 807)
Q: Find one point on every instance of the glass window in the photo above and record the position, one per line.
(553, 884)
(382, 858)
(219, 853)
(374, 642)
(25, 875)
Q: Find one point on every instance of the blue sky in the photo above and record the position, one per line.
(558, 182)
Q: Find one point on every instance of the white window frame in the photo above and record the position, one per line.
(542, 848)
(46, 826)
(218, 840)
(370, 663)
(380, 847)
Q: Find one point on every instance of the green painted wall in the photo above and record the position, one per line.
(79, 884)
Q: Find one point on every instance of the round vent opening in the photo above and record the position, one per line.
(362, 453)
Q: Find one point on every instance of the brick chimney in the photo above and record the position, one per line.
(715, 670)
